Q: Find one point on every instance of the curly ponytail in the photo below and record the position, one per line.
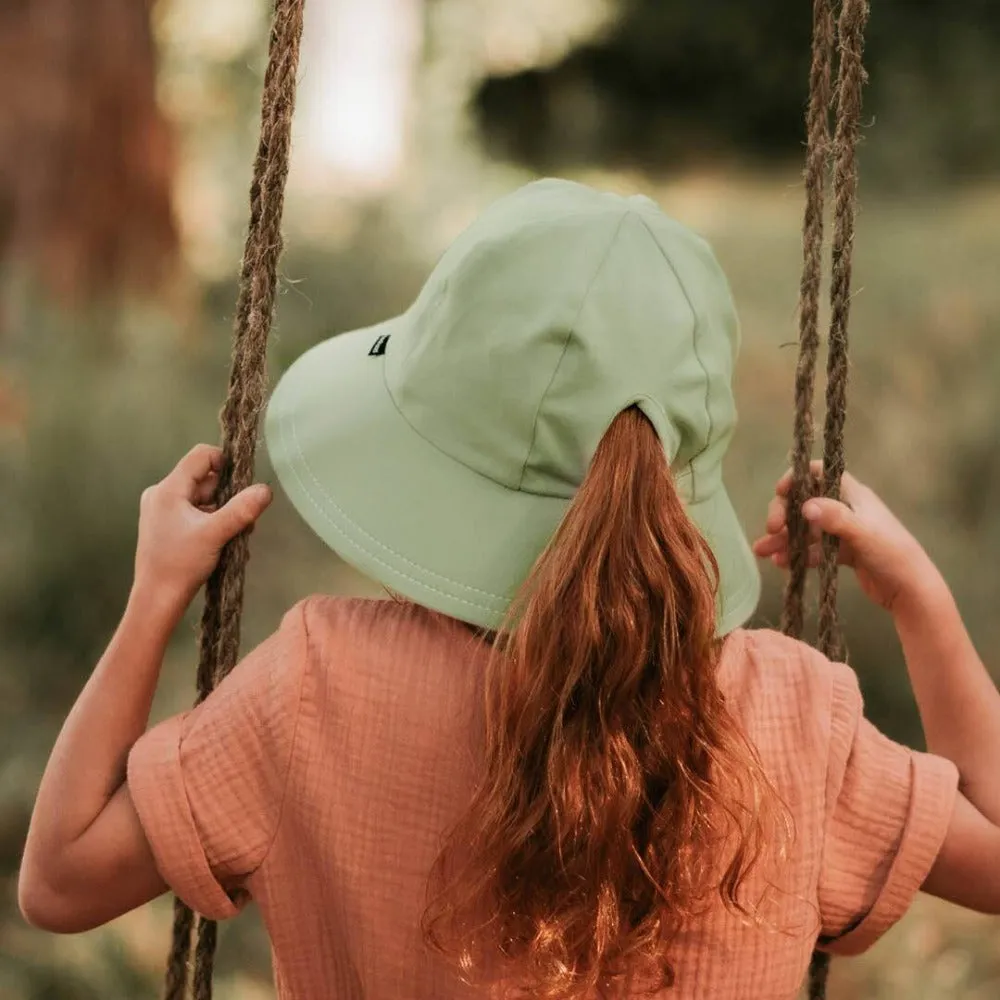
(619, 795)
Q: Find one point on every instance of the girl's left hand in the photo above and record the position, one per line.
(181, 533)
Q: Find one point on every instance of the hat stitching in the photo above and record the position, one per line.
(569, 336)
(697, 353)
(416, 430)
(326, 516)
(450, 457)
(736, 599)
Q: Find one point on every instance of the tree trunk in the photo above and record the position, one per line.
(86, 157)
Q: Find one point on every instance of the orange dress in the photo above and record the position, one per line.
(318, 780)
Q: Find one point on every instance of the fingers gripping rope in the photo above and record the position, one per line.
(848, 42)
(219, 635)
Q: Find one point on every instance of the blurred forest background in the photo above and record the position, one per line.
(126, 135)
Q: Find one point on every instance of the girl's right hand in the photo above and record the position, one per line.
(889, 562)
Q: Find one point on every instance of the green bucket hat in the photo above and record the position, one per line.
(437, 452)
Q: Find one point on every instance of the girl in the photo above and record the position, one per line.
(556, 761)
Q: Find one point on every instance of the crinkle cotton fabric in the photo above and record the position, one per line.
(319, 779)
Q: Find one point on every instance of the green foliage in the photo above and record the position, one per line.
(676, 84)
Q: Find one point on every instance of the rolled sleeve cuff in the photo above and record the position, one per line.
(156, 785)
(932, 800)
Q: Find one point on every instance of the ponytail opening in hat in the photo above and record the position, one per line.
(619, 795)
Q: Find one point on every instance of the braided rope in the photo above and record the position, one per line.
(843, 151)
(817, 159)
(219, 637)
(850, 84)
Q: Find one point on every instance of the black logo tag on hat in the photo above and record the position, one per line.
(378, 348)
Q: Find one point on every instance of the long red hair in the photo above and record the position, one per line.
(619, 796)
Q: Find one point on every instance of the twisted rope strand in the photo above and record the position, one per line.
(219, 633)
(817, 165)
(176, 980)
(819, 974)
(851, 80)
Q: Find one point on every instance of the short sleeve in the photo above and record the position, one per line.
(888, 811)
(208, 784)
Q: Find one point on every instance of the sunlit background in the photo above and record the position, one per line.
(127, 132)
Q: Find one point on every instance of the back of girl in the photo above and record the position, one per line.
(557, 764)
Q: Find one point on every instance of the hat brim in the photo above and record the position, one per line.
(407, 515)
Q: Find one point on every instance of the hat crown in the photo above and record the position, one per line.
(559, 307)
(439, 451)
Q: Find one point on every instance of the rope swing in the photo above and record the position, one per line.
(847, 40)
(220, 622)
(219, 637)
